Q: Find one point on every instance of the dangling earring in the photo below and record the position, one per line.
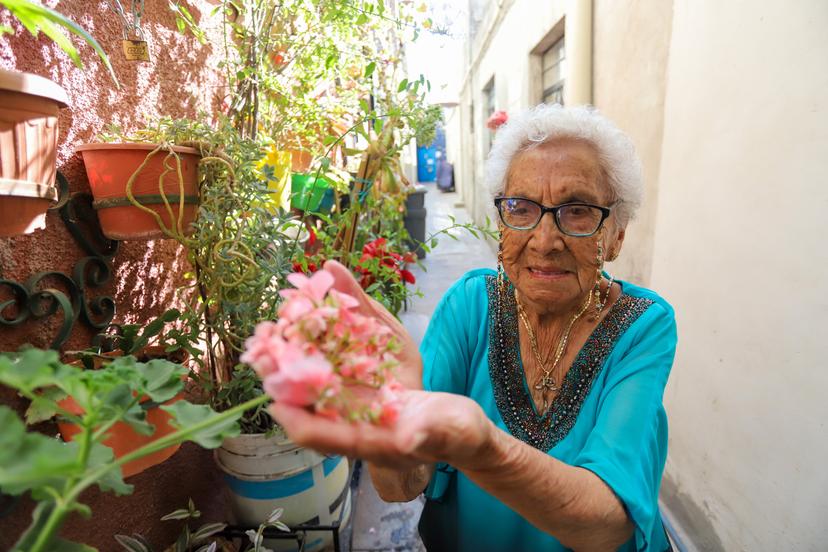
(599, 261)
(501, 280)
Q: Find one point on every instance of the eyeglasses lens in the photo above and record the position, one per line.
(519, 213)
(579, 219)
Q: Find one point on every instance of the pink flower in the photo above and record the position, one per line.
(315, 287)
(325, 355)
(301, 382)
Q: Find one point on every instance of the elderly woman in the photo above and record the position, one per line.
(535, 417)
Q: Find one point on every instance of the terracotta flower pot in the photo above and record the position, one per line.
(29, 107)
(110, 167)
(300, 161)
(122, 438)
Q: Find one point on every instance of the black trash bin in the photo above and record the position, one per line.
(415, 219)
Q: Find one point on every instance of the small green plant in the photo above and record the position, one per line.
(203, 538)
(36, 17)
(55, 473)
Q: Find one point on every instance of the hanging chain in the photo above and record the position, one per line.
(131, 25)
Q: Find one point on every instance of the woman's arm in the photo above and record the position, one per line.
(572, 504)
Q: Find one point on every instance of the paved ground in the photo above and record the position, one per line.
(379, 526)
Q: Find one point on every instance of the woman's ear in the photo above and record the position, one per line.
(615, 248)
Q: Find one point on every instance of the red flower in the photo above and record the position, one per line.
(311, 237)
(407, 276)
(410, 257)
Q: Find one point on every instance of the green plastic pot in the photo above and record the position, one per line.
(307, 191)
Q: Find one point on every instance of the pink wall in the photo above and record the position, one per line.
(180, 81)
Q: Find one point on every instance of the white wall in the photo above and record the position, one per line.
(740, 251)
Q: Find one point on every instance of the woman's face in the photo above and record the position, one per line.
(553, 271)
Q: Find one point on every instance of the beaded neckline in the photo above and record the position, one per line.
(544, 431)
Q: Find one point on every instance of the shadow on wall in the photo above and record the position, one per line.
(695, 519)
(180, 81)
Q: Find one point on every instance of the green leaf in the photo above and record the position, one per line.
(362, 19)
(181, 513)
(33, 369)
(163, 379)
(187, 416)
(206, 531)
(36, 17)
(378, 124)
(131, 544)
(369, 69)
(32, 461)
(44, 405)
(403, 85)
(113, 480)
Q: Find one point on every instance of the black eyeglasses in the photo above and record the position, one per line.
(573, 219)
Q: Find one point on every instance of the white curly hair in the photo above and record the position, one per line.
(542, 123)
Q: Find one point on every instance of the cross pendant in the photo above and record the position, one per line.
(547, 383)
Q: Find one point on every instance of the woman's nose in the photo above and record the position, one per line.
(546, 236)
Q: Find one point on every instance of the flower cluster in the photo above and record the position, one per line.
(323, 354)
(378, 251)
(496, 120)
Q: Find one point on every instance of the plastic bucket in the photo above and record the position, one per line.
(265, 473)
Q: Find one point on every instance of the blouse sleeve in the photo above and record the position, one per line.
(447, 351)
(627, 448)
(450, 340)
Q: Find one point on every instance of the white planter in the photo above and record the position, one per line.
(263, 474)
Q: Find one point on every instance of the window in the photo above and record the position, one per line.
(553, 64)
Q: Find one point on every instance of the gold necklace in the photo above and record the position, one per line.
(547, 382)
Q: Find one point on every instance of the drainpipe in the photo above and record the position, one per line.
(578, 71)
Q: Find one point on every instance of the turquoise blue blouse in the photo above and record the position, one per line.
(607, 418)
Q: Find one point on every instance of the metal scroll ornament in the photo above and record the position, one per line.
(49, 294)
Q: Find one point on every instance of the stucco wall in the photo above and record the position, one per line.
(631, 41)
(180, 81)
(740, 252)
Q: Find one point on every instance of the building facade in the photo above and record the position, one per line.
(727, 104)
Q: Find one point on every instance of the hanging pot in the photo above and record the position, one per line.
(29, 107)
(264, 473)
(110, 167)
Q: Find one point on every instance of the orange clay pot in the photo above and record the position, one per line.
(122, 439)
(300, 160)
(29, 107)
(109, 168)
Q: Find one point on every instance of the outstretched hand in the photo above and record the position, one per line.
(411, 365)
(432, 427)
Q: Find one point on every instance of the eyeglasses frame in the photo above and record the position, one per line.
(605, 213)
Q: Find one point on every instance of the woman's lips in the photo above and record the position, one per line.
(547, 274)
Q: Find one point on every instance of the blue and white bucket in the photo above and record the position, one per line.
(265, 473)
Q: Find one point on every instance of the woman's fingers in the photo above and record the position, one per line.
(376, 444)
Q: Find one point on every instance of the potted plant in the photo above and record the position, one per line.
(130, 340)
(143, 191)
(55, 473)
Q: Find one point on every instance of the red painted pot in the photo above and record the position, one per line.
(110, 167)
(29, 107)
